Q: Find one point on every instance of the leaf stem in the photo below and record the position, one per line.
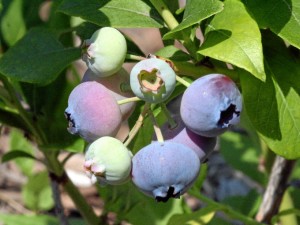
(165, 13)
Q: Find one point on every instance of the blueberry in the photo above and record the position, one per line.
(165, 170)
(108, 160)
(105, 52)
(152, 80)
(211, 104)
(92, 112)
(118, 85)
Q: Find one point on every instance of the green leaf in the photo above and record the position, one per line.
(37, 193)
(195, 12)
(16, 154)
(48, 103)
(12, 119)
(20, 143)
(27, 219)
(173, 53)
(240, 152)
(132, 205)
(247, 205)
(114, 13)
(37, 58)
(273, 106)
(281, 16)
(14, 219)
(234, 37)
(199, 217)
(12, 23)
(31, 12)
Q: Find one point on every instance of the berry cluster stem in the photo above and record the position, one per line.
(137, 124)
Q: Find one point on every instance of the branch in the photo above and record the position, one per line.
(59, 209)
(277, 185)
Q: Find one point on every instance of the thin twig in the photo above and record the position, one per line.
(277, 185)
(59, 209)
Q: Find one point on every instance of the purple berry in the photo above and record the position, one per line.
(211, 104)
(202, 146)
(92, 112)
(152, 80)
(165, 170)
(118, 85)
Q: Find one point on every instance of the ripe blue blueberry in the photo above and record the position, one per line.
(165, 170)
(92, 112)
(152, 80)
(105, 52)
(211, 104)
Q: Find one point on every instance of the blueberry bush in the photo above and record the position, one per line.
(226, 80)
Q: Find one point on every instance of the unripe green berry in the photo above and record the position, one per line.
(152, 80)
(104, 53)
(109, 160)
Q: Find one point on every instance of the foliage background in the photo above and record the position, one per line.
(259, 39)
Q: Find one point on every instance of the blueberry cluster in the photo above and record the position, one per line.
(169, 165)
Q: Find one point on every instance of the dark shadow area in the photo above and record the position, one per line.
(215, 37)
(284, 65)
(270, 15)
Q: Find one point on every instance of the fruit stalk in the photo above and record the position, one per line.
(137, 125)
(134, 57)
(157, 130)
(127, 100)
(182, 81)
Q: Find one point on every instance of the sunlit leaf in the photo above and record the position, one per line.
(234, 37)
